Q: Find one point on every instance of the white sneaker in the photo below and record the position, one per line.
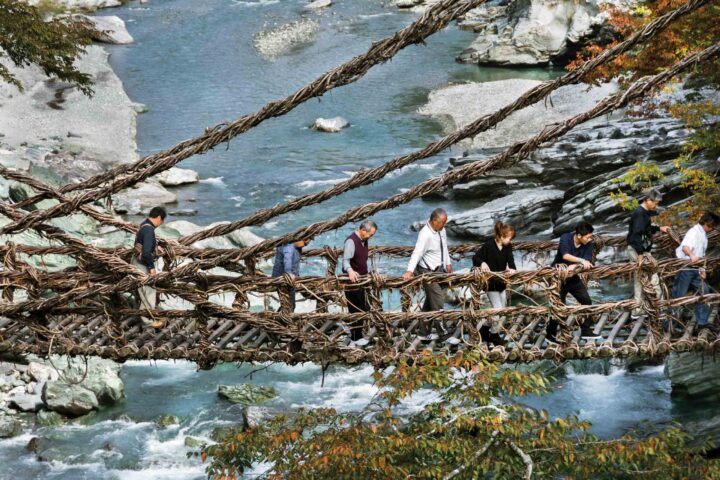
(361, 342)
(432, 336)
(453, 340)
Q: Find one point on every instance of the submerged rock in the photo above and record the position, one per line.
(246, 394)
(192, 442)
(254, 415)
(331, 125)
(165, 421)
(278, 41)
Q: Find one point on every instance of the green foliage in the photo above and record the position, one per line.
(54, 46)
(466, 433)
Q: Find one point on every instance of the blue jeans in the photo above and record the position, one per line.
(686, 278)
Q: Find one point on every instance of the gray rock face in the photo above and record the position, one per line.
(531, 32)
(108, 29)
(26, 402)
(695, 375)
(47, 418)
(528, 210)
(456, 106)
(331, 125)
(71, 400)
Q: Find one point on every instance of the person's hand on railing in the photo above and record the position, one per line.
(448, 268)
(665, 229)
(407, 275)
(353, 276)
(484, 267)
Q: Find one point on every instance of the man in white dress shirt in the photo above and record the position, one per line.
(693, 248)
(431, 255)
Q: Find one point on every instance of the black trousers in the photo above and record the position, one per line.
(575, 287)
(357, 302)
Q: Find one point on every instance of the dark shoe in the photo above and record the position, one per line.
(551, 339)
(496, 339)
(588, 333)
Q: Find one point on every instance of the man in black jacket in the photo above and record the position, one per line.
(144, 256)
(639, 240)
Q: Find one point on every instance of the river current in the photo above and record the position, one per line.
(194, 65)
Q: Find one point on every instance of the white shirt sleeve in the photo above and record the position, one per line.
(446, 253)
(690, 240)
(419, 251)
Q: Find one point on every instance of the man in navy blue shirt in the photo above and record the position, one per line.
(144, 256)
(575, 249)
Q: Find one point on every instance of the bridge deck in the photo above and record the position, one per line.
(325, 340)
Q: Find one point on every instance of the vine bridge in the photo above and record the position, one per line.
(88, 309)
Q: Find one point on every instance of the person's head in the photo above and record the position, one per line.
(652, 200)
(303, 243)
(438, 217)
(504, 233)
(157, 216)
(584, 232)
(367, 229)
(709, 221)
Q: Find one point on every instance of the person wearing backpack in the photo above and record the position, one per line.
(144, 256)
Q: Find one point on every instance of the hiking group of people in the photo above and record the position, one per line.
(430, 255)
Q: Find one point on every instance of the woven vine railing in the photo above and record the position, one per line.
(210, 317)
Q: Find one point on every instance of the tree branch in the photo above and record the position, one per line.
(476, 455)
(527, 460)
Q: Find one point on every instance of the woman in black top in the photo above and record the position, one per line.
(496, 255)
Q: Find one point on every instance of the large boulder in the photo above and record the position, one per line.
(533, 32)
(99, 376)
(246, 394)
(695, 375)
(456, 106)
(529, 211)
(68, 399)
(108, 29)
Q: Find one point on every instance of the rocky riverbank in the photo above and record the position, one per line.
(565, 181)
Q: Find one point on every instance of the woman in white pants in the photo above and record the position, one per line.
(496, 255)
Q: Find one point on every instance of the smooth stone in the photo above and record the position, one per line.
(177, 176)
(456, 106)
(41, 373)
(26, 402)
(331, 125)
(317, 4)
(142, 197)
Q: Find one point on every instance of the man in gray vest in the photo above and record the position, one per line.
(431, 255)
(355, 264)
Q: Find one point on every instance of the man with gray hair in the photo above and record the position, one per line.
(431, 255)
(639, 239)
(355, 264)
